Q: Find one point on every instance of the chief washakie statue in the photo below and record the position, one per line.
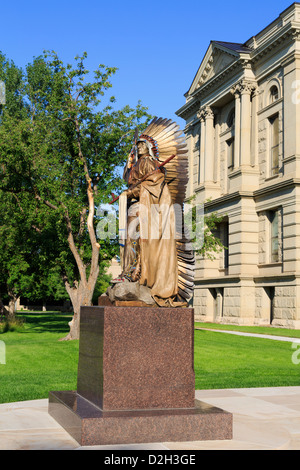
(156, 255)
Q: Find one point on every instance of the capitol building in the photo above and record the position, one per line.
(242, 114)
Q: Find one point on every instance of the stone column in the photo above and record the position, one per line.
(201, 117)
(246, 88)
(209, 145)
(237, 125)
(291, 112)
(217, 148)
(189, 141)
(254, 137)
(208, 173)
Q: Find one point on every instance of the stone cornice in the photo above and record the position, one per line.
(214, 81)
(228, 197)
(289, 32)
(282, 184)
(193, 103)
(279, 185)
(236, 279)
(195, 98)
(188, 108)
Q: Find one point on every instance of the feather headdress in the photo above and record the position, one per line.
(166, 139)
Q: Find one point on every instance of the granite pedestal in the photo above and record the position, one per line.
(136, 380)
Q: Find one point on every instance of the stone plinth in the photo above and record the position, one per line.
(136, 358)
(136, 380)
(89, 425)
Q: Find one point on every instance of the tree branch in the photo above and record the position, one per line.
(73, 248)
(90, 218)
(82, 222)
(22, 210)
(44, 201)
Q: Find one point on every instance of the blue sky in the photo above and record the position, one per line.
(156, 45)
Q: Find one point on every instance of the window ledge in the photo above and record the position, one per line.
(270, 265)
(270, 106)
(271, 178)
(223, 271)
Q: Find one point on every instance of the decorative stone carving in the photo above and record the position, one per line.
(243, 86)
(206, 112)
(200, 115)
(247, 86)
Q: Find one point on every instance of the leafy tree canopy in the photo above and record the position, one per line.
(60, 153)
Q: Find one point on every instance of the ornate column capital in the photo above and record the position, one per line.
(235, 90)
(243, 87)
(247, 86)
(206, 112)
(201, 115)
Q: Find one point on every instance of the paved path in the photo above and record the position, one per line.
(263, 419)
(256, 335)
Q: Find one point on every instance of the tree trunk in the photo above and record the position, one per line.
(3, 310)
(11, 313)
(78, 298)
(81, 294)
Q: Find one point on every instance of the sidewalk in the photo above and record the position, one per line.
(263, 419)
(256, 335)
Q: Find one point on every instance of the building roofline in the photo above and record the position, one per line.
(270, 24)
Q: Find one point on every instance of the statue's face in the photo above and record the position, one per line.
(142, 148)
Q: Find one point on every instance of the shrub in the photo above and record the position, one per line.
(16, 324)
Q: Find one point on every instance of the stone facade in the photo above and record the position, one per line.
(242, 116)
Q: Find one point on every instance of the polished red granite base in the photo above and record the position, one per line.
(136, 380)
(89, 425)
(136, 358)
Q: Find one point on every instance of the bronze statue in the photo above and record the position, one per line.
(155, 251)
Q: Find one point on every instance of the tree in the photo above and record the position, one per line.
(204, 229)
(64, 149)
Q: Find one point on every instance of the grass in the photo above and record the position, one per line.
(37, 362)
(229, 361)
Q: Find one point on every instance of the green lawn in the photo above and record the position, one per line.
(230, 361)
(37, 362)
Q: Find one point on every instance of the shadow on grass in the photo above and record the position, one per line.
(41, 322)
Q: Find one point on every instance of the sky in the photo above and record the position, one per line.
(157, 45)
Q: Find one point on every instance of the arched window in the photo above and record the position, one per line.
(274, 94)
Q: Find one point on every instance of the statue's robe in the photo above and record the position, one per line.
(154, 251)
